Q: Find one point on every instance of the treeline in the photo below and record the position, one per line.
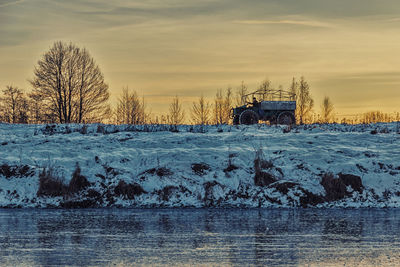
(131, 109)
(68, 87)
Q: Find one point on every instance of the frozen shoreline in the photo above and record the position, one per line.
(194, 166)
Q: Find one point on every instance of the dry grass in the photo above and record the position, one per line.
(128, 190)
(16, 171)
(50, 184)
(200, 168)
(78, 181)
(262, 178)
(335, 188)
(352, 180)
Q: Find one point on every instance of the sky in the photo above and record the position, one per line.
(348, 50)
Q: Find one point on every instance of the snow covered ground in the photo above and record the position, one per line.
(194, 166)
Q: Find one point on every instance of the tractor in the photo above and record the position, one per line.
(275, 106)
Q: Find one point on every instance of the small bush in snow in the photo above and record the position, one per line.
(78, 181)
(209, 199)
(335, 188)
(128, 190)
(49, 129)
(167, 192)
(262, 178)
(16, 171)
(352, 180)
(200, 168)
(284, 187)
(50, 185)
(100, 129)
(83, 129)
(386, 194)
(231, 166)
(161, 171)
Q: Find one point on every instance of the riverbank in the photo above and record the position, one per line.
(75, 166)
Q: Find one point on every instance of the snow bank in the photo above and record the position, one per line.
(199, 166)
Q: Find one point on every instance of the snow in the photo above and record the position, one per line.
(107, 154)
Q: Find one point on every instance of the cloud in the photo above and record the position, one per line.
(308, 23)
(10, 3)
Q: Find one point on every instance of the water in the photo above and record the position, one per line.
(207, 237)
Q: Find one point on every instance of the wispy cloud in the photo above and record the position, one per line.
(10, 3)
(394, 20)
(309, 23)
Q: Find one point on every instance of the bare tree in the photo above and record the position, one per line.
(376, 116)
(222, 106)
(176, 114)
(227, 105)
(130, 110)
(71, 84)
(305, 103)
(219, 116)
(294, 93)
(14, 105)
(201, 112)
(240, 93)
(264, 87)
(293, 89)
(327, 108)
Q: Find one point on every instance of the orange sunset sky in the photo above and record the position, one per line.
(347, 49)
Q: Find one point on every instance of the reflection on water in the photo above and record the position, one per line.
(199, 237)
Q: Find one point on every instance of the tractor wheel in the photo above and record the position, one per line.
(235, 120)
(286, 118)
(248, 117)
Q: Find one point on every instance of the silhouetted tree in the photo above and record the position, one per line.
(376, 116)
(130, 110)
(71, 84)
(240, 93)
(294, 88)
(305, 103)
(227, 105)
(219, 116)
(201, 112)
(176, 114)
(14, 105)
(327, 110)
(38, 112)
(264, 88)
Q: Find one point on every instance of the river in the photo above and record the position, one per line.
(200, 237)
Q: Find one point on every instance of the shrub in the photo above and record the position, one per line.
(50, 184)
(78, 182)
(100, 129)
(352, 180)
(162, 171)
(231, 167)
(262, 178)
(167, 191)
(386, 194)
(209, 198)
(16, 171)
(284, 187)
(310, 199)
(84, 129)
(49, 129)
(200, 168)
(335, 188)
(128, 190)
